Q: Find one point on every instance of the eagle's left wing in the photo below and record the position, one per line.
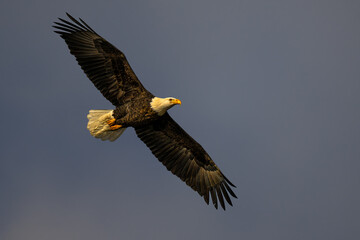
(185, 158)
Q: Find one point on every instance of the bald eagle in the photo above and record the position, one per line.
(110, 72)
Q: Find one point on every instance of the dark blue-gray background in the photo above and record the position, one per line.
(269, 88)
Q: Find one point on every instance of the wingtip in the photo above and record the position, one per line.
(228, 181)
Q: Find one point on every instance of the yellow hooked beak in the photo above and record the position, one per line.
(175, 101)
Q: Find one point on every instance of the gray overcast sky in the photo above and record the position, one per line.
(269, 88)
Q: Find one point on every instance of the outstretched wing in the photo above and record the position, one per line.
(104, 64)
(185, 158)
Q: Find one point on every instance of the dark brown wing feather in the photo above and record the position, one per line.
(185, 158)
(104, 64)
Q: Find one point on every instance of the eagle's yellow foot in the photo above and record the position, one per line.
(115, 127)
(111, 122)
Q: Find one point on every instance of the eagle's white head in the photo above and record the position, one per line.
(161, 105)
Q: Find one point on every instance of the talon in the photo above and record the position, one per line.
(111, 122)
(115, 127)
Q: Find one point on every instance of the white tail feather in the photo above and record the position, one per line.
(98, 126)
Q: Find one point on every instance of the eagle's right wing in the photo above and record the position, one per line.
(104, 64)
